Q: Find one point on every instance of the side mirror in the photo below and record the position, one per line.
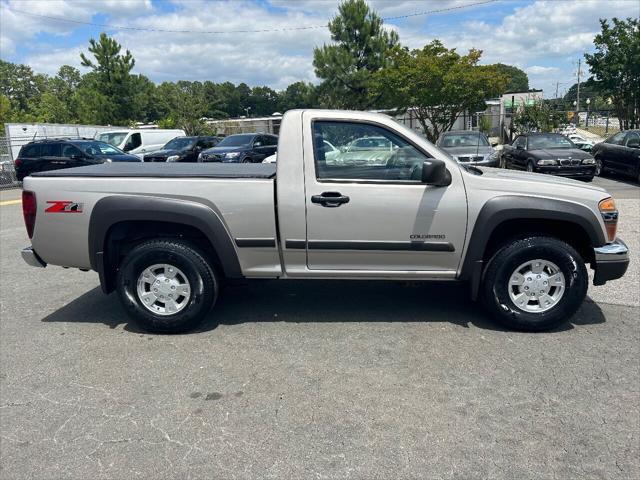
(494, 143)
(76, 156)
(434, 172)
(519, 147)
(197, 148)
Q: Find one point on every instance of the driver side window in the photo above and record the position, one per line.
(134, 141)
(363, 152)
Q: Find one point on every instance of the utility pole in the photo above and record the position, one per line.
(578, 95)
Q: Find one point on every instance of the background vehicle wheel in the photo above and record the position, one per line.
(598, 172)
(166, 286)
(530, 166)
(247, 160)
(535, 283)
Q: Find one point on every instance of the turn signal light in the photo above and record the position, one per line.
(609, 214)
(29, 209)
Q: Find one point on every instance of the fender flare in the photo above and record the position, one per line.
(111, 210)
(514, 207)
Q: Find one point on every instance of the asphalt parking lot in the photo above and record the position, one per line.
(314, 380)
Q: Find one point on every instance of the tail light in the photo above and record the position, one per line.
(609, 214)
(29, 208)
(17, 163)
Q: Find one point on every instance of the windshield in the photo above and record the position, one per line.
(236, 141)
(113, 138)
(453, 140)
(537, 142)
(180, 143)
(98, 148)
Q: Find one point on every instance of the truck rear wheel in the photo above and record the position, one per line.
(535, 283)
(166, 286)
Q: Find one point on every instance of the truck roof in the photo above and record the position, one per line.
(168, 170)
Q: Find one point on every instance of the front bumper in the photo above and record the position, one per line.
(611, 261)
(31, 258)
(578, 171)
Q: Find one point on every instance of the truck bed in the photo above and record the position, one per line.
(168, 170)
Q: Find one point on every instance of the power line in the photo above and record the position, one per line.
(218, 32)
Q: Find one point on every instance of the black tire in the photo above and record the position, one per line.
(599, 170)
(495, 294)
(247, 160)
(201, 277)
(531, 167)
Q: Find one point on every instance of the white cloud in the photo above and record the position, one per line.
(542, 38)
(539, 70)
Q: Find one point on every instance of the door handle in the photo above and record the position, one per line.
(330, 199)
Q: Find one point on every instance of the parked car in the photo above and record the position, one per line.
(242, 148)
(139, 142)
(581, 142)
(620, 153)
(520, 241)
(55, 154)
(182, 149)
(468, 146)
(551, 153)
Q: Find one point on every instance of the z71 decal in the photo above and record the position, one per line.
(64, 206)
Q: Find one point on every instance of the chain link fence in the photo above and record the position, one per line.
(7, 169)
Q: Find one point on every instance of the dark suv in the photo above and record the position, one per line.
(242, 148)
(182, 149)
(55, 154)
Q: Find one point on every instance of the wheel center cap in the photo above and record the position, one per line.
(537, 283)
(165, 286)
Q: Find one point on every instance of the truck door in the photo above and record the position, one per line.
(367, 208)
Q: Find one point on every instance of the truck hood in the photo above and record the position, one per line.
(541, 179)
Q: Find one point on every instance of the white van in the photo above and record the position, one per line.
(139, 141)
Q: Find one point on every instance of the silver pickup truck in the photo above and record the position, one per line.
(167, 236)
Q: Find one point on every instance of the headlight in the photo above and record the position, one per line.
(232, 155)
(589, 161)
(609, 214)
(547, 162)
(173, 158)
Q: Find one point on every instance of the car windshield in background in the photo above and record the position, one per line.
(538, 142)
(114, 138)
(464, 140)
(98, 148)
(180, 143)
(236, 141)
(370, 143)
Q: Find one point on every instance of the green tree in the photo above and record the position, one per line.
(361, 47)
(537, 117)
(439, 84)
(517, 80)
(20, 85)
(111, 79)
(615, 66)
(298, 95)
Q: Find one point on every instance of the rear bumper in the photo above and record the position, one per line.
(611, 261)
(31, 258)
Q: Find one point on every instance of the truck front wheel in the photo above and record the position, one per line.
(166, 286)
(535, 283)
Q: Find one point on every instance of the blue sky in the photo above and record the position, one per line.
(544, 38)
